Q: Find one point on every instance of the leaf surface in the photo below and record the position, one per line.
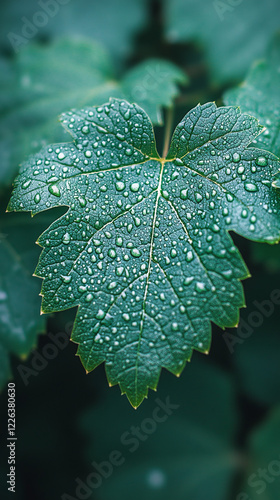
(144, 248)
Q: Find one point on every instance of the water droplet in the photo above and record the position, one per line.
(54, 190)
(100, 314)
(134, 187)
(37, 198)
(200, 287)
(82, 201)
(66, 279)
(135, 252)
(227, 274)
(120, 186)
(89, 297)
(198, 197)
(261, 161)
(119, 241)
(61, 156)
(229, 197)
(178, 162)
(126, 316)
(184, 194)
(189, 256)
(66, 238)
(112, 285)
(249, 186)
(188, 281)
(85, 129)
(112, 253)
(26, 184)
(236, 157)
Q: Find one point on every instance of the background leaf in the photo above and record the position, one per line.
(45, 80)
(232, 36)
(263, 476)
(191, 451)
(20, 319)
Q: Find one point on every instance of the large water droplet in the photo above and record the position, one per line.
(66, 279)
(184, 194)
(54, 190)
(199, 286)
(100, 314)
(112, 253)
(261, 161)
(120, 186)
(189, 256)
(134, 187)
(135, 252)
(37, 198)
(249, 186)
(236, 157)
(26, 184)
(66, 238)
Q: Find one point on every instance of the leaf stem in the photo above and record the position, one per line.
(168, 129)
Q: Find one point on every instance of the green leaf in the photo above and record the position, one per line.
(114, 24)
(233, 36)
(189, 451)
(144, 248)
(263, 481)
(46, 80)
(259, 95)
(20, 320)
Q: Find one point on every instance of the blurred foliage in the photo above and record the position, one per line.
(71, 74)
(233, 34)
(227, 425)
(258, 95)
